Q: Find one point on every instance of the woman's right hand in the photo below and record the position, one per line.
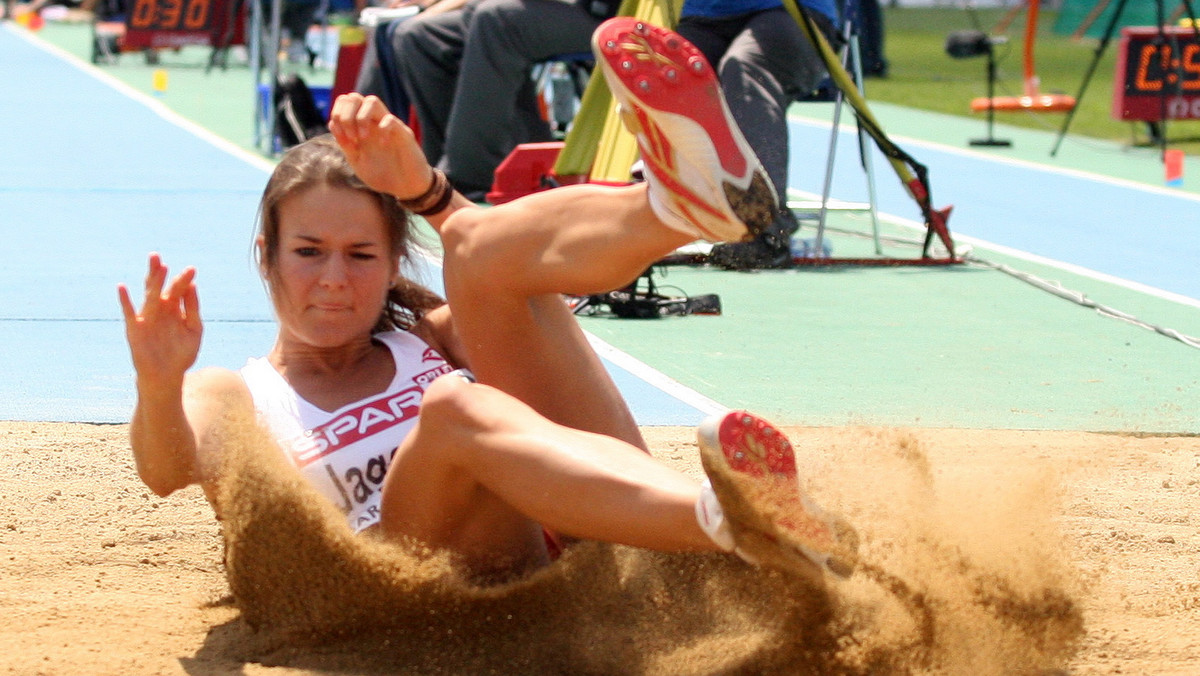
(164, 336)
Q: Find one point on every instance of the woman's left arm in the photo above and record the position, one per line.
(385, 154)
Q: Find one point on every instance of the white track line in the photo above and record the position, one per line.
(635, 367)
(1017, 253)
(159, 108)
(847, 128)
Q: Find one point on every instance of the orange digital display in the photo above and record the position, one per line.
(176, 23)
(1158, 74)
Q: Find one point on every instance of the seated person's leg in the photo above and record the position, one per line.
(768, 64)
(428, 51)
(298, 16)
(710, 35)
(369, 79)
(494, 102)
(379, 73)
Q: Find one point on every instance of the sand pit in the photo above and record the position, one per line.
(1015, 552)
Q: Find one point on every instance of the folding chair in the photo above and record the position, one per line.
(827, 92)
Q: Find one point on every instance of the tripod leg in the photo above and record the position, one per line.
(1172, 43)
(1172, 46)
(1154, 134)
(1087, 77)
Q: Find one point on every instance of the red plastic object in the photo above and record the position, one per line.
(349, 61)
(1173, 166)
(527, 169)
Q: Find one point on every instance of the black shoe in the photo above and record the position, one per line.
(756, 254)
(772, 249)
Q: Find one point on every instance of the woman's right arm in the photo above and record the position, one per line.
(164, 341)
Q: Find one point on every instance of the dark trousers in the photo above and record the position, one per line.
(870, 38)
(467, 75)
(764, 61)
(379, 73)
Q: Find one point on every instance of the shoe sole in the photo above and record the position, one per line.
(661, 81)
(752, 468)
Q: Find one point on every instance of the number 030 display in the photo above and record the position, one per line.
(188, 15)
(157, 24)
(1157, 74)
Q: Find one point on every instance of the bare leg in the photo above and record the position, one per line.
(505, 269)
(545, 439)
(482, 472)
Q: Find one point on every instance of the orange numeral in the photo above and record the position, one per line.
(196, 16)
(1143, 83)
(1191, 66)
(142, 15)
(169, 12)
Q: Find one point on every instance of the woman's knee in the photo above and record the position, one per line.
(471, 252)
(454, 410)
(445, 403)
(461, 413)
(438, 442)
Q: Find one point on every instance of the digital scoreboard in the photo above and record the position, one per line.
(160, 24)
(1156, 68)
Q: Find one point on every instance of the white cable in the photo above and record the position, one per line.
(1079, 298)
(1055, 288)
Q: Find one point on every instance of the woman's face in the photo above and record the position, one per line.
(334, 266)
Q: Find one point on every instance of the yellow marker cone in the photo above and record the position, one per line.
(160, 82)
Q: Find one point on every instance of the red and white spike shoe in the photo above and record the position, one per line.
(704, 179)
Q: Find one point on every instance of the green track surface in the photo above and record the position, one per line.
(965, 346)
(931, 347)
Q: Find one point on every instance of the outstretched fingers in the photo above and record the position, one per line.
(164, 334)
(128, 311)
(152, 289)
(156, 275)
(179, 294)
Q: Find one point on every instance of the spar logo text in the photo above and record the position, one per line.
(369, 418)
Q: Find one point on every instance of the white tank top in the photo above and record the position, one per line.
(345, 453)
